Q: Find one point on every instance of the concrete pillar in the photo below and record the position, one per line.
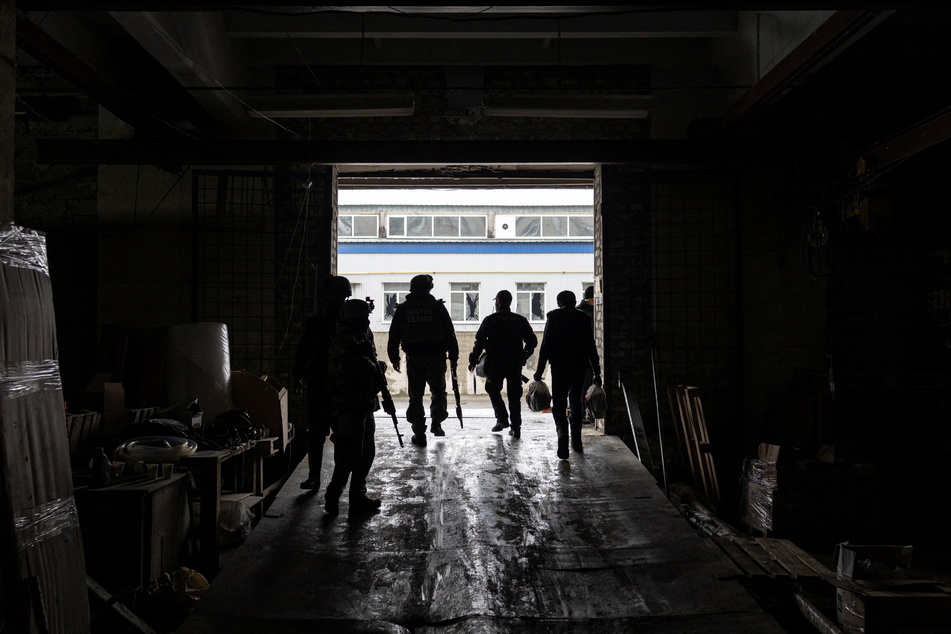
(7, 98)
(623, 283)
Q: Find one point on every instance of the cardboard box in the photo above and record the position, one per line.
(266, 402)
(878, 591)
(878, 562)
(899, 609)
(108, 397)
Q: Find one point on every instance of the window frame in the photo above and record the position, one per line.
(376, 222)
(520, 297)
(455, 293)
(433, 219)
(401, 294)
(541, 218)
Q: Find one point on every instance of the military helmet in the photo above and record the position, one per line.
(339, 287)
(355, 311)
(421, 283)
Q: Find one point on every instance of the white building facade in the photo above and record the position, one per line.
(474, 244)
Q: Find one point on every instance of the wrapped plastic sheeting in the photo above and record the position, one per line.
(757, 493)
(27, 377)
(23, 249)
(42, 541)
(36, 525)
(198, 365)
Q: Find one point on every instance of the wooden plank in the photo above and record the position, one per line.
(807, 559)
(784, 558)
(703, 445)
(762, 557)
(795, 566)
(120, 608)
(740, 557)
(723, 558)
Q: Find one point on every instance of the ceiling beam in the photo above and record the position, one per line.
(59, 151)
(101, 89)
(919, 137)
(824, 43)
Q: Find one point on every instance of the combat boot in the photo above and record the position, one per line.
(364, 504)
(436, 429)
(562, 441)
(576, 439)
(515, 432)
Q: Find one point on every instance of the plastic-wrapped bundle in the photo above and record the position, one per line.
(42, 541)
(538, 397)
(757, 492)
(198, 365)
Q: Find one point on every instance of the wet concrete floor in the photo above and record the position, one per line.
(480, 533)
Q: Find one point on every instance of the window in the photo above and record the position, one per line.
(473, 226)
(554, 226)
(581, 226)
(396, 226)
(528, 227)
(357, 226)
(530, 300)
(393, 294)
(419, 227)
(437, 226)
(464, 301)
(446, 226)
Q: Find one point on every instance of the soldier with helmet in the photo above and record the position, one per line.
(310, 372)
(355, 380)
(422, 327)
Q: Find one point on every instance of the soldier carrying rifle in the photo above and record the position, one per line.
(356, 379)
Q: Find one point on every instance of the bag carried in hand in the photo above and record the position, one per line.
(538, 397)
(480, 365)
(596, 401)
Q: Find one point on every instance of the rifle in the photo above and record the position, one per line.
(455, 392)
(385, 396)
(389, 407)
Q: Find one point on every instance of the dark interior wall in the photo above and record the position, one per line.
(61, 201)
(784, 280)
(890, 337)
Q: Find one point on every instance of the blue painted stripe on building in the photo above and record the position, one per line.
(465, 247)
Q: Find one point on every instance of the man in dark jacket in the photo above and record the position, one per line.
(356, 377)
(423, 328)
(310, 372)
(568, 343)
(502, 336)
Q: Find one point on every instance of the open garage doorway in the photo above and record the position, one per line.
(534, 242)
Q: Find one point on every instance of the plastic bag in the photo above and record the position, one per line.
(595, 401)
(538, 397)
(480, 365)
